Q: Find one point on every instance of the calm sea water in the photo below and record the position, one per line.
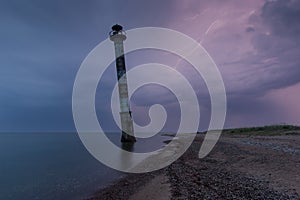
(55, 166)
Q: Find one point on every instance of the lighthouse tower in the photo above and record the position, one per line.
(117, 35)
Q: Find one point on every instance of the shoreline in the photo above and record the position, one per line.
(263, 167)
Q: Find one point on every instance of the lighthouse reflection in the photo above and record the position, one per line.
(127, 159)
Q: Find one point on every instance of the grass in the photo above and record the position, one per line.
(265, 130)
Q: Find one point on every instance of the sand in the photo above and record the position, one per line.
(158, 188)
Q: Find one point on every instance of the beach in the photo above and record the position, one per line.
(239, 167)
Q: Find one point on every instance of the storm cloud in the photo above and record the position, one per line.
(255, 44)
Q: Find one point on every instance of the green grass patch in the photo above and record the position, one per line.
(265, 130)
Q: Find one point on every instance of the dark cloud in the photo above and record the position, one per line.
(283, 17)
(276, 61)
(250, 29)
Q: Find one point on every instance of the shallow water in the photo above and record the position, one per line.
(55, 165)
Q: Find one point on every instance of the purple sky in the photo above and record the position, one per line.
(255, 44)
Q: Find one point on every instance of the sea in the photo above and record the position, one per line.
(56, 165)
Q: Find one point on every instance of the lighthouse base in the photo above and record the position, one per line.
(127, 128)
(126, 138)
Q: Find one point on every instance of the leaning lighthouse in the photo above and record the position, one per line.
(117, 35)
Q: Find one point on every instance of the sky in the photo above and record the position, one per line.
(254, 43)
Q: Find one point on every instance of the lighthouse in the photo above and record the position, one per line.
(117, 35)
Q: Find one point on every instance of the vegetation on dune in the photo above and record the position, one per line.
(266, 130)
